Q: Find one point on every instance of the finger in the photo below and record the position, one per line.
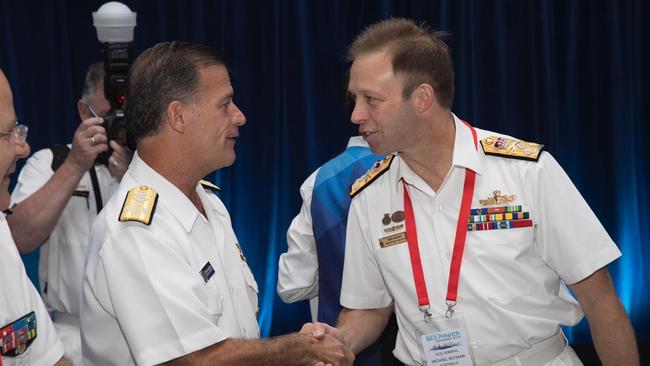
(306, 328)
(94, 130)
(119, 150)
(98, 139)
(318, 331)
(92, 121)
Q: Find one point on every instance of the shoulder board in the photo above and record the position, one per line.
(139, 205)
(210, 186)
(511, 148)
(375, 172)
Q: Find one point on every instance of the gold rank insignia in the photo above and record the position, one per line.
(511, 148)
(375, 172)
(139, 205)
(207, 185)
(498, 198)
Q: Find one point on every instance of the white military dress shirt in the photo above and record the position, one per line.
(512, 288)
(19, 298)
(147, 297)
(63, 255)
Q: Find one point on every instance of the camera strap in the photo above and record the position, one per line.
(59, 154)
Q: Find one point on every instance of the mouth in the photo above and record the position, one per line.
(366, 134)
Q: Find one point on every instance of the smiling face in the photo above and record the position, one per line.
(10, 150)
(215, 119)
(385, 119)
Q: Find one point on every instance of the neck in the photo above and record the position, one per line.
(431, 156)
(173, 166)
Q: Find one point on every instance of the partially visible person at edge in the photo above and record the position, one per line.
(59, 192)
(165, 280)
(312, 267)
(27, 335)
(457, 196)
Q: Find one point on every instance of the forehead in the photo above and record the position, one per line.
(371, 71)
(7, 113)
(215, 80)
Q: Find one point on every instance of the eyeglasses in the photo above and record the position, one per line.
(18, 132)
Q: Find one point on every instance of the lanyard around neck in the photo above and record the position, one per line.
(459, 243)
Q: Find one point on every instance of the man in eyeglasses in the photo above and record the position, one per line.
(58, 194)
(27, 336)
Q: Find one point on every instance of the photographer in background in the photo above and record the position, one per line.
(57, 197)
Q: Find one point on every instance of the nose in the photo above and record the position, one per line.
(359, 114)
(22, 149)
(238, 117)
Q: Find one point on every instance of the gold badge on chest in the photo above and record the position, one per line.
(498, 198)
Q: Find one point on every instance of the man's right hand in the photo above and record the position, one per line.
(325, 351)
(89, 141)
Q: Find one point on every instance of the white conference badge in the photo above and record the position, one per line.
(445, 342)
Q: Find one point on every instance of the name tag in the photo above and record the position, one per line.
(392, 240)
(448, 345)
(207, 272)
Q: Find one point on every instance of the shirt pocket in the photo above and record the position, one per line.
(214, 302)
(498, 261)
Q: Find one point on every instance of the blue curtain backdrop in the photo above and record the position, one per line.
(570, 74)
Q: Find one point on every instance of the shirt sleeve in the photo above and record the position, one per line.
(570, 238)
(47, 348)
(298, 267)
(363, 285)
(36, 172)
(163, 308)
(22, 298)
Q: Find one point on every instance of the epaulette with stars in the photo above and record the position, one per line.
(139, 205)
(511, 148)
(371, 175)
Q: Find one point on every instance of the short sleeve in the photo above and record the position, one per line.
(569, 236)
(156, 297)
(298, 267)
(363, 286)
(36, 172)
(47, 348)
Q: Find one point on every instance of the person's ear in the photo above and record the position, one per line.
(175, 116)
(82, 109)
(423, 97)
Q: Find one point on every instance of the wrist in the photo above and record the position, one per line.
(73, 168)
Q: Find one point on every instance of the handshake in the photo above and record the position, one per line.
(326, 345)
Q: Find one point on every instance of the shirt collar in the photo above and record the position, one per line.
(357, 141)
(465, 155)
(169, 195)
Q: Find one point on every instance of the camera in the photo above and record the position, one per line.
(117, 60)
(115, 22)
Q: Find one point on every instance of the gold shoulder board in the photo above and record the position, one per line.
(139, 205)
(210, 186)
(375, 172)
(511, 148)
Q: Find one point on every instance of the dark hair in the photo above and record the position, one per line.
(93, 81)
(417, 53)
(164, 73)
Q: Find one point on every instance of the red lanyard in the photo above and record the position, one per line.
(459, 243)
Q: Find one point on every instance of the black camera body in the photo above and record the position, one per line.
(117, 60)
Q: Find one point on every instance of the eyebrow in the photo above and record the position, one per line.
(226, 97)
